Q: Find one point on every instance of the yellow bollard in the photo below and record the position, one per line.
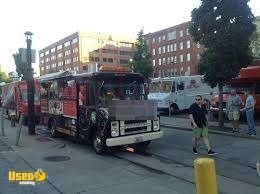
(205, 176)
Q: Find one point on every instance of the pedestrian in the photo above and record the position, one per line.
(250, 109)
(199, 123)
(234, 104)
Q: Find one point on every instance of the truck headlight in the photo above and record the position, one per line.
(114, 128)
(156, 125)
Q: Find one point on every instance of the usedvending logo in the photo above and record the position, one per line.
(27, 178)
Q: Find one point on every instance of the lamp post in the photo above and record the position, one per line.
(30, 84)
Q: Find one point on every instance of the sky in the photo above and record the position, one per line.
(51, 20)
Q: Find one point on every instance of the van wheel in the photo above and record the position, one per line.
(98, 143)
(174, 108)
(53, 128)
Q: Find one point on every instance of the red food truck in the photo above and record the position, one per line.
(14, 99)
(248, 79)
(107, 108)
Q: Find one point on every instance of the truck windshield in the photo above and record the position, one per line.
(109, 90)
(36, 96)
(164, 87)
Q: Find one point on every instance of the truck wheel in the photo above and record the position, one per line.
(53, 130)
(98, 143)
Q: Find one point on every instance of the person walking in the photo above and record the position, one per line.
(234, 104)
(250, 109)
(199, 123)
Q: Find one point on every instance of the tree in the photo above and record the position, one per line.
(3, 77)
(224, 27)
(141, 62)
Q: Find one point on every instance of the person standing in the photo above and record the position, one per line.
(250, 109)
(199, 123)
(234, 104)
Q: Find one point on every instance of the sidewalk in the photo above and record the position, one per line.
(184, 124)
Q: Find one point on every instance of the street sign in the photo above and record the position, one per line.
(23, 54)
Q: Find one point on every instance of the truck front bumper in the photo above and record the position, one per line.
(131, 139)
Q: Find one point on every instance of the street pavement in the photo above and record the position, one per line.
(165, 167)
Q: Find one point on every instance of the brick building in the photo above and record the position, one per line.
(173, 51)
(79, 50)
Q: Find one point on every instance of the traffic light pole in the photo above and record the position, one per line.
(30, 88)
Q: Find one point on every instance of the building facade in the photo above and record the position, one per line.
(173, 51)
(78, 51)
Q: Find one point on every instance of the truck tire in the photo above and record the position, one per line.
(53, 130)
(98, 143)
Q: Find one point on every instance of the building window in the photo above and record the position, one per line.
(160, 61)
(153, 40)
(47, 66)
(172, 60)
(60, 55)
(67, 52)
(110, 60)
(41, 61)
(188, 57)
(163, 61)
(181, 58)
(171, 47)
(66, 43)
(168, 60)
(153, 51)
(175, 46)
(123, 61)
(67, 61)
(42, 68)
(181, 33)
(75, 40)
(53, 50)
(47, 59)
(41, 54)
(163, 49)
(187, 31)
(175, 59)
(53, 65)
(53, 58)
(84, 67)
(188, 44)
(181, 45)
(75, 50)
(159, 50)
(59, 47)
(198, 45)
(163, 37)
(159, 39)
(153, 62)
(171, 35)
(60, 63)
(198, 56)
(168, 48)
(47, 52)
(75, 59)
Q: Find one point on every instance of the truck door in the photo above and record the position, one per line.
(180, 95)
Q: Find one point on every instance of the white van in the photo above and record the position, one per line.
(178, 93)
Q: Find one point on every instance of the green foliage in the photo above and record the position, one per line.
(255, 44)
(4, 77)
(224, 27)
(141, 62)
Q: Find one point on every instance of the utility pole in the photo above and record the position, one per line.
(30, 85)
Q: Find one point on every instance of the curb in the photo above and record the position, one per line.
(213, 132)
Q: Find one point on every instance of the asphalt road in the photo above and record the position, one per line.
(165, 167)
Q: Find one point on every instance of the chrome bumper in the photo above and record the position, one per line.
(131, 139)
